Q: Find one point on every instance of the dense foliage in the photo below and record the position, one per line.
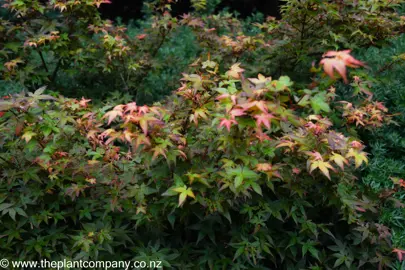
(67, 46)
(386, 145)
(229, 159)
(234, 170)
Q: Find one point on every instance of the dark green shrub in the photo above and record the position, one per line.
(387, 145)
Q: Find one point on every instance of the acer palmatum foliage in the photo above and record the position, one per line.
(338, 61)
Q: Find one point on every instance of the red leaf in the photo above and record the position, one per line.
(264, 119)
(227, 123)
(141, 36)
(399, 253)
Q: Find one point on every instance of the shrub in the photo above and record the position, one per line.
(67, 46)
(386, 145)
(229, 173)
(77, 49)
(310, 27)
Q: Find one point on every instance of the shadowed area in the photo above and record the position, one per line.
(128, 9)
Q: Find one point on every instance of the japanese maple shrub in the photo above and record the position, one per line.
(69, 47)
(230, 172)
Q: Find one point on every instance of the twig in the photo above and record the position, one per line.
(43, 60)
(125, 84)
(164, 35)
(8, 162)
(56, 70)
(387, 66)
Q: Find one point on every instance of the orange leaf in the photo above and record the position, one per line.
(83, 102)
(141, 36)
(399, 253)
(338, 60)
(112, 115)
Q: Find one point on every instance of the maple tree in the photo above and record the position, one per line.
(77, 44)
(149, 167)
(232, 171)
(311, 27)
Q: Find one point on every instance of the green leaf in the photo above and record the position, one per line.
(257, 188)
(283, 83)
(170, 192)
(5, 206)
(238, 181)
(46, 130)
(12, 213)
(249, 174)
(228, 216)
(172, 219)
(339, 261)
(318, 103)
(180, 189)
(304, 101)
(14, 46)
(21, 212)
(239, 252)
(314, 252)
(190, 193)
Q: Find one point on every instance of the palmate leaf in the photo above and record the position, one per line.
(323, 166)
(260, 80)
(359, 157)
(399, 253)
(240, 174)
(184, 193)
(235, 71)
(339, 160)
(27, 136)
(238, 181)
(198, 113)
(37, 95)
(111, 115)
(338, 60)
(283, 83)
(264, 119)
(319, 103)
(310, 246)
(227, 123)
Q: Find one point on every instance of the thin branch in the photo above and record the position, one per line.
(8, 162)
(387, 66)
(43, 60)
(124, 82)
(164, 35)
(55, 72)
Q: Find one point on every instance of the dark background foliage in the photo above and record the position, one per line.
(133, 10)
